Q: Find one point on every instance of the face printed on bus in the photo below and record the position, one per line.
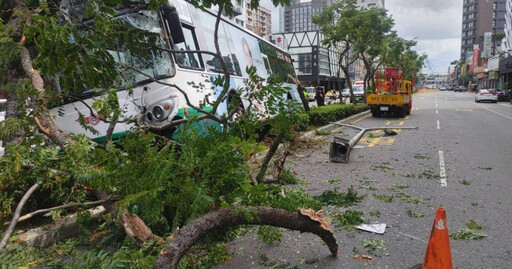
(247, 52)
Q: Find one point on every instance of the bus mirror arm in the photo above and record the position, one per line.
(171, 16)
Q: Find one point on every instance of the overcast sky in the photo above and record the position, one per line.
(435, 23)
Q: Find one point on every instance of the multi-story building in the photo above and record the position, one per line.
(259, 20)
(371, 3)
(480, 17)
(314, 63)
(297, 16)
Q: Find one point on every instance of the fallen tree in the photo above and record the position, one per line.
(304, 221)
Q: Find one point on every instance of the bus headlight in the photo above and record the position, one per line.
(158, 112)
(161, 112)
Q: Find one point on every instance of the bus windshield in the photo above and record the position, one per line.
(153, 63)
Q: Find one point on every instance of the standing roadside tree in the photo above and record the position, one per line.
(47, 54)
(370, 32)
(336, 22)
(399, 53)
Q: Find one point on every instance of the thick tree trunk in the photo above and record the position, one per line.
(304, 221)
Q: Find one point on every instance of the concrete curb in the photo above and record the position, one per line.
(55, 232)
(331, 125)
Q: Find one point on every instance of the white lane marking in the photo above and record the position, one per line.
(437, 111)
(436, 105)
(442, 170)
(438, 126)
(510, 118)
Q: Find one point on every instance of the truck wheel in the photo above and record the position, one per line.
(403, 111)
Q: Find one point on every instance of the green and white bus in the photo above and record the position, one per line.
(157, 105)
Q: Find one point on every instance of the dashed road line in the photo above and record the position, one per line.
(388, 122)
(437, 111)
(407, 117)
(401, 123)
(442, 170)
(438, 125)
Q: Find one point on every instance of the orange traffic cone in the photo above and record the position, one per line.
(438, 255)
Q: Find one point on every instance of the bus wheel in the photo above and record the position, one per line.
(407, 111)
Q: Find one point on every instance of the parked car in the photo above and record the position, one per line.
(460, 89)
(486, 95)
(443, 88)
(311, 93)
(503, 96)
(358, 94)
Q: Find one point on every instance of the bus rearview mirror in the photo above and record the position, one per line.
(171, 16)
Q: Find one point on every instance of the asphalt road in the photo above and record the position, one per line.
(476, 143)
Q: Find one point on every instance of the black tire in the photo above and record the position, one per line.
(403, 111)
(375, 113)
(407, 111)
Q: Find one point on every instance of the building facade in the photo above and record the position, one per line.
(259, 20)
(478, 18)
(297, 16)
(371, 3)
(314, 64)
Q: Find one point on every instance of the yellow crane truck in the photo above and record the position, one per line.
(393, 94)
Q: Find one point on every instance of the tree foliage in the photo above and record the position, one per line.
(167, 183)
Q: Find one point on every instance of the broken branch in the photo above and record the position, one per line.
(303, 221)
(17, 214)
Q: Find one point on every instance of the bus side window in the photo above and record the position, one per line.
(267, 64)
(188, 60)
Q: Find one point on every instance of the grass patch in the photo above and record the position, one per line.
(413, 214)
(365, 184)
(322, 132)
(335, 198)
(333, 181)
(374, 246)
(412, 200)
(473, 225)
(422, 157)
(287, 178)
(375, 213)
(384, 197)
(401, 186)
(464, 182)
(427, 173)
(467, 234)
(309, 261)
(384, 167)
(349, 219)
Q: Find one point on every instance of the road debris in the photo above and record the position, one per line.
(378, 228)
(363, 257)
(340, 147)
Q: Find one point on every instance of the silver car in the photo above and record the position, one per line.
(486, 95)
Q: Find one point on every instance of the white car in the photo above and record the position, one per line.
(486, 95)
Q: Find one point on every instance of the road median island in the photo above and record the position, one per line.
(337, 113)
